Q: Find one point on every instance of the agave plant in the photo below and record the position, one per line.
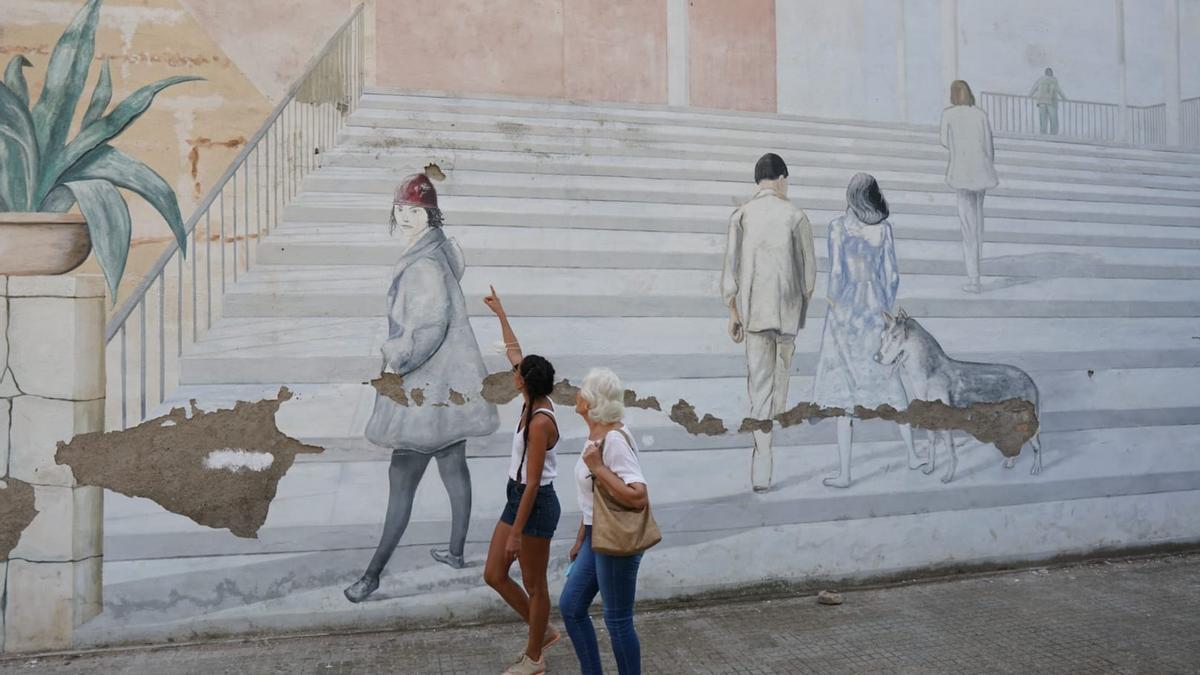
(41, 170)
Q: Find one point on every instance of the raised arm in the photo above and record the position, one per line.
(512, 348)
(421, 311)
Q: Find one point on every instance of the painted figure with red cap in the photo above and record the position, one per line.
(431, 345)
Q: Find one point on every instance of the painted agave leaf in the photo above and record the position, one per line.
(41, 169)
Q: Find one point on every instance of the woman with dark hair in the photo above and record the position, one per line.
(863, 281)
(530, 515)
(967, 134)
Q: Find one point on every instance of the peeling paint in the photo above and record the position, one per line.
(684, 414)
(1008, 424)
(434, 172)
(391, 385)
(648, 403)
(166, 462)
(17, 511)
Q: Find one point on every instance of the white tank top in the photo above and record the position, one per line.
(549, 468)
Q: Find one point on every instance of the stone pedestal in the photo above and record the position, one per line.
(51, 389)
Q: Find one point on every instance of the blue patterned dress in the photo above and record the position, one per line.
(863, 280)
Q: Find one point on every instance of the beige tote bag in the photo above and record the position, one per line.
(619, 530)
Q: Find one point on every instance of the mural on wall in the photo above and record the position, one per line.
(930, 375)
(769, 276)
(863, 281)
(967, 134)
(432, 348)
(43, 173)
(1046, 93)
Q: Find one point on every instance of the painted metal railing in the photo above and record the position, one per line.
(1017, 115)
(1013, 114)
(180, 297)
(1189, 124)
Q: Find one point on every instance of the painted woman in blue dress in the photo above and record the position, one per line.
(863, 280)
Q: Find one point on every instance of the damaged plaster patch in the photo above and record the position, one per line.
(17, 511)
(684, 414)
(238, 460)
(1007, 424)
(391, 385)
(648, 403)
(167, 463)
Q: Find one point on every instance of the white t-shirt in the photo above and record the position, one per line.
(618, 457)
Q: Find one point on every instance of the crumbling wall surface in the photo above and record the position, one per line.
(219, 468)
(1007, 424)
(16, 513)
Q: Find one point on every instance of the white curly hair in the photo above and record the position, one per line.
(604, 395)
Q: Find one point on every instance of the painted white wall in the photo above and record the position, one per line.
(838, 59)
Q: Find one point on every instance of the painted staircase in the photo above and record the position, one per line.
(602, 228)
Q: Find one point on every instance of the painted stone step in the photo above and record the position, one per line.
(519, 127)
(1013, 184)
(518, 204)
(719, 193)
(470, 212)
(341, 291)
(334, 415)
(412, 157)
(346, 350)
(527, 247)
(384, 137)
(536, 109)
(348, 500)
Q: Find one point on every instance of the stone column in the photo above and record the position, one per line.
(1125, 132)
(1171, 85)
(949, 43)
(677, 53)
(370, 40)
(52, 388)
(901, 62)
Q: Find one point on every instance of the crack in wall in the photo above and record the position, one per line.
(163, 459)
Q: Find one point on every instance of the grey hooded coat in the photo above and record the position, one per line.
(432, 346)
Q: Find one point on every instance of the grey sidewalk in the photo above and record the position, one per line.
(1136, 616)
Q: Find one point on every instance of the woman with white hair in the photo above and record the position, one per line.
(610, 457)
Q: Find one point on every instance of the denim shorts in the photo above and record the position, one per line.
(543, 519)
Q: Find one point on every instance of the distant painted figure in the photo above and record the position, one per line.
(1046, 93)
(967, 134)
(769, 275)
(432, 346)
(863, 281)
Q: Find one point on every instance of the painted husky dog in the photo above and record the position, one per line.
(929, 375)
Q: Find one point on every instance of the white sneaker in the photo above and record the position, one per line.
(527, 666)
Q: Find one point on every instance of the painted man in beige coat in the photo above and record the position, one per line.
(770, 274)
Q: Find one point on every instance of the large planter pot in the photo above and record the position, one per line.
(42, 243)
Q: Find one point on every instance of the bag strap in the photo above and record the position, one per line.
(525, 447)
(628, 439)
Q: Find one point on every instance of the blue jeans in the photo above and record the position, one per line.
(615, 578)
